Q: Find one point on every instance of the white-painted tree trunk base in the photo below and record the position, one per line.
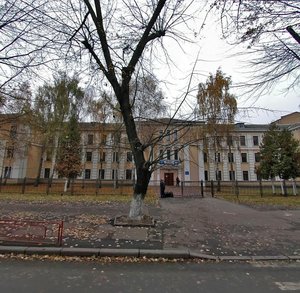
(136, 207)
(294, 187)
(66, 186)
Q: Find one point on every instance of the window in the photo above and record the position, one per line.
(175, 135)
(88, 156)
(205, 157)
(245, 176)
(116, 157)
(129, 156)
(229, 140)
(87, 174)
(47, 173)
(101, 174)
(231, 175)
(206, 175)
(103, 138)
(114, 174)
(102, 157)
(217, 157)
(7, 172)
(116, 138)
(244, 157)
(161, 154)
(175, 154)
(128, 174)
(168, 135)
(48, 155)
(257, 157)
(10, 152)
(13, 131)
(255, 140)
(218, 175)
(90, 139)
(230, 158)
(168, 154)
(242, 140)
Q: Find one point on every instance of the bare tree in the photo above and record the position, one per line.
(271, 30)
(117, 38)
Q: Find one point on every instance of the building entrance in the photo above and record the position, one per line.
(169, 179)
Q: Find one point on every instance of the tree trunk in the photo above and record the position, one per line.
(140, 190)
(38, 177)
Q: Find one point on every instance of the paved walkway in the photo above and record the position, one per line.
(205, 225)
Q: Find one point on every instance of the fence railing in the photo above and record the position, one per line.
(125, 187)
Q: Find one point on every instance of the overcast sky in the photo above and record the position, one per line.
(215, 53)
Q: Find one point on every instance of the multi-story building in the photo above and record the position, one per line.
(178, 148)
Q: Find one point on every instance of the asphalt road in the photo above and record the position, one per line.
(57, 276)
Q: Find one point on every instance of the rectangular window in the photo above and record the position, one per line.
(13, 132)
(244, 157)
(217, 157)
(255, 140)
(7, 172)
(129, 156)
(47, 173)
(242, 140)
(102, 157)
(168, 135)
(88, 156)
(230, 158)
(168, 154)
(231, 175)
(128, 174)
(175, 135)
(205, 157)
(161, 154)
(206, 175)
(257, 157)
(175, 154)
(116, 157)
(103, 139)
(219, 175)
(229, 140)
(10, 152)
(90, 139)
(101, 174)
(48, 155)
(114, 174)
(245, 176)
(87, 174)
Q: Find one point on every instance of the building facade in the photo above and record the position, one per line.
(177, 149)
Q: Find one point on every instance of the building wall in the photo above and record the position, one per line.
(188, 164)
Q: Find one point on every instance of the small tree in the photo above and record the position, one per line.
(69, 155)
(269, 153)
(218, 107)
(279, 154)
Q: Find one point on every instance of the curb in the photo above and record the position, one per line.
(142, 253)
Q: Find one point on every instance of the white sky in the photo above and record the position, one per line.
(215, 53)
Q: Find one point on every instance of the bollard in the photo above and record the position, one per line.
(23, 185)
(260, 188)
(181, 188)
(212, 188)
(202, 189)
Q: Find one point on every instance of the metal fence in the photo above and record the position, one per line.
(125, 187)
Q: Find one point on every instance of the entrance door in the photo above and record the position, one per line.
(169, 179)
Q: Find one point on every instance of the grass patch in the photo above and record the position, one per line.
(42, 198)
(275, 200)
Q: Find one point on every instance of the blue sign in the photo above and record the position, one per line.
(187, 173)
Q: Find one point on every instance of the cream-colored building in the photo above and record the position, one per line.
(180, 149)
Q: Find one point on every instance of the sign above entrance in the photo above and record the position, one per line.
(169, 162)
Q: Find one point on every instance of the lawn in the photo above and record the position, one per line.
(292, 201)
(150, 199)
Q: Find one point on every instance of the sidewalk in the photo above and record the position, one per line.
(184, 226)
